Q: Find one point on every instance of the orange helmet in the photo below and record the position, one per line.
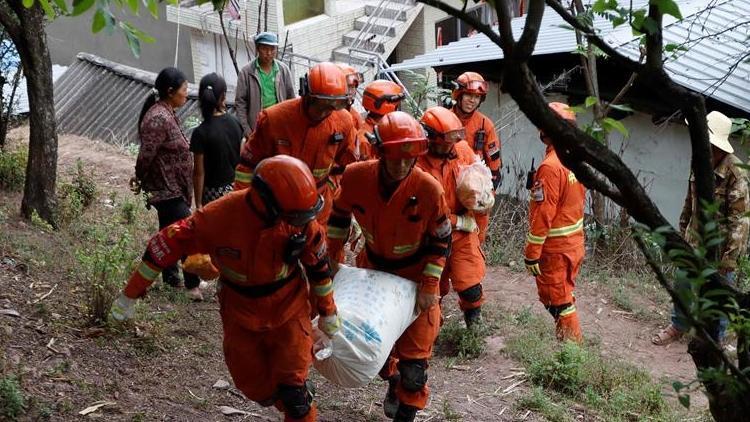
(398, 136)
(470, 83)
(287, 189)
(442, 126)
(563, 110)
(382, 97)
(353, 77)
(326, 81)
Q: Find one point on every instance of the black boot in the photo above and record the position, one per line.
(390, 403)
(405, 413)
(473, 318)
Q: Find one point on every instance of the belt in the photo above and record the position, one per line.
(260, 290)
(394, 264)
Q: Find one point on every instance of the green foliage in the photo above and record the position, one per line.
(611, 388)
(422, 93)
(12, 401)
(741, 129)
(457, 340)
(73, 198)
(105, 261)
(13, 169)
(539, 401)
(84, 184)
(40, 223)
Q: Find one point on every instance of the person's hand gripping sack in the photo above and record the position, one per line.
(330, 324)
(466, 223)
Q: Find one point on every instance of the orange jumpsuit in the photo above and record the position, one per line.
(366, 151)
(284, 128)
(491, 153)
(556, 240)
(356, 118)
(406, 234)
(263, 299)
(466, 266)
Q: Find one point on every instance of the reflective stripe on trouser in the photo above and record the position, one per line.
(559, 270)
(415, 343)
(567, 325)
(259, 361)
(465, 268)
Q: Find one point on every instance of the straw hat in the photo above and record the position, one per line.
(719, 129)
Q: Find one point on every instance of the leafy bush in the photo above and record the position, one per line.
(456, 340)
(69, 204)
(84, 184)
(12, 401)
(13, 170)
(105, 262)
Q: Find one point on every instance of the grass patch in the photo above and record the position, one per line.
(12, 400)
(540, 402)
(455, 340)
(612, 389)
(13, 169)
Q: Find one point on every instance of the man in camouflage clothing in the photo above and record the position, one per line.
(734, 199)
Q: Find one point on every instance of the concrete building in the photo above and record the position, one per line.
(69, 36)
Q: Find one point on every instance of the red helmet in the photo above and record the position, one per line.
(563, 110)
(442, 126)
(353, 77)
(382, 97)
(398, 136)
(327, 82)
(287, 189)
(470, 83)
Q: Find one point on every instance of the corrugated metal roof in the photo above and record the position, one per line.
(100, 99)
(553, 38)
(718, 42)
(704, 68)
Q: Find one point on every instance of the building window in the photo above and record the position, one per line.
(297, 10)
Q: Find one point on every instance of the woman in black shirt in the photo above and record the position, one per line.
(215, 143)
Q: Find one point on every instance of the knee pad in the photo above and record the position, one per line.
(297, 400)
(556, 310)
(413, 374)
(472, 294)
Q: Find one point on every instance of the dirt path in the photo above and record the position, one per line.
(619, 333)
(165, 369)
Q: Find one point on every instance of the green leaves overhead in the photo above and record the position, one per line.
(668, 7)
(81, 6)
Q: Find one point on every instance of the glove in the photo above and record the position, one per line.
(532, 266)
(200, 265)
(122, 309)
(135, 185)
(466, 223)
(329, 324)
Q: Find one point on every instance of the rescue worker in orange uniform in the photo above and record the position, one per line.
(353, 80)
(315, 127)
(447, 152)
(379, 98)
(405, 222)
(555, 244)
(469, 93)
(257, 239)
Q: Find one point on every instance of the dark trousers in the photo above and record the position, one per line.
(170, 211)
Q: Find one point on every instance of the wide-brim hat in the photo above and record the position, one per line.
(267, 38)
(719, 129)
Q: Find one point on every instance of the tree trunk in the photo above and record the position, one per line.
(41, 169)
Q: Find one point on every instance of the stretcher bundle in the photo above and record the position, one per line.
(474, 187)
(375, 308)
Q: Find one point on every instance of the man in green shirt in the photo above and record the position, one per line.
(263, 82)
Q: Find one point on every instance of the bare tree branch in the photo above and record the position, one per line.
(474, 22)
(525, 45)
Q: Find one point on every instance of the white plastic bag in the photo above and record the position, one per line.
(375, 309)
(474, 187)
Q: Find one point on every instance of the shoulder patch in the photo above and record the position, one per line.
(443, 229)
(537, 192)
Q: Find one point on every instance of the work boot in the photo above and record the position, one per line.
(390, 403)
(405, 413)
(473, 318)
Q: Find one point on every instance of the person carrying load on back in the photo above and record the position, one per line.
(314, 128)
(470, 91)
(261, 240)
(379, 98)
(447, 153)
(555, 242)
(405, 222)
